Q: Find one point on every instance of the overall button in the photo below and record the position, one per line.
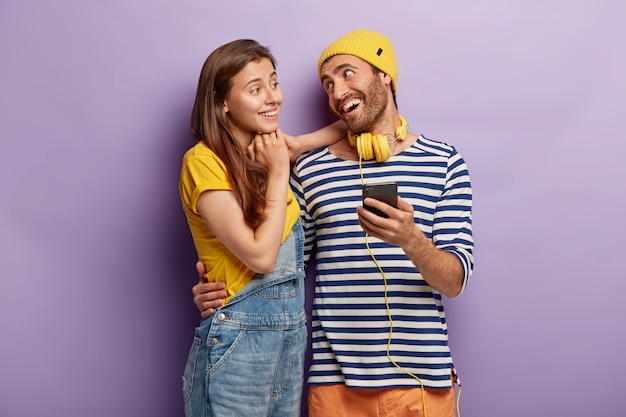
(221, 316)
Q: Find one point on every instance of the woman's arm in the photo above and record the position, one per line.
(256, 248)
(309, 141)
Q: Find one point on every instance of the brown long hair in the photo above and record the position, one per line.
(210, 123)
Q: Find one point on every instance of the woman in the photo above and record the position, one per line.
(248, 358)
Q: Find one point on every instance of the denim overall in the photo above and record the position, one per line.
(247, 359)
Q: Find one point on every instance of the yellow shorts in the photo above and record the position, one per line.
(340, 401)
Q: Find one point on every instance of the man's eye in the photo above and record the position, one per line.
(348, 73)
(329, 86)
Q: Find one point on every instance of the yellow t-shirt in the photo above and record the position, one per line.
(201, 171)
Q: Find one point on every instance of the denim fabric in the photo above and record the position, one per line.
(247, 359)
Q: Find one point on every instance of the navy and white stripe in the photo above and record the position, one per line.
(350, 319)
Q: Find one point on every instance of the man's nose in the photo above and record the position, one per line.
(340, 90)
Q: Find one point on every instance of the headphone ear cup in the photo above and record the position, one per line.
(370, 146)
(381, 148)
(364, 146)
(403, 129)
(359, 146)
(352, 139)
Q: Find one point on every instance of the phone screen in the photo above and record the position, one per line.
(386, 192)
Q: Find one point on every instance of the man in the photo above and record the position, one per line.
(379, 333)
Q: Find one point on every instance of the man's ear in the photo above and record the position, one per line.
(386, 79)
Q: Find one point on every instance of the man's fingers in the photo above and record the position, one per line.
(201, 270)
(208, 291)
(208, 307)
(211, 304)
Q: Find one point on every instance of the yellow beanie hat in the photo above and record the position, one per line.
(368, 45)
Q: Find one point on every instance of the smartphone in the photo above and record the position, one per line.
(386, 192)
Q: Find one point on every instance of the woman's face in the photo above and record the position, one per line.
(254, 100)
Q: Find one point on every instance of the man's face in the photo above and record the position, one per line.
(356, 93)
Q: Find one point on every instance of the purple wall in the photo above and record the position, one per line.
(96, 260)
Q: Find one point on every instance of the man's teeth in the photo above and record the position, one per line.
(351, 104)
(269, 113)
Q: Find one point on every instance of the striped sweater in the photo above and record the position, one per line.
(351, 331)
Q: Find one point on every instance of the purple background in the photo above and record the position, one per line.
(96, 259)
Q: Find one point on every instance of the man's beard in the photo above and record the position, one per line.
(374, 101)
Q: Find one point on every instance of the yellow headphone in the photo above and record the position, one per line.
(371, 146)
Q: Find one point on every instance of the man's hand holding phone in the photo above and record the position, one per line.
(386, 216)
(386, 192)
